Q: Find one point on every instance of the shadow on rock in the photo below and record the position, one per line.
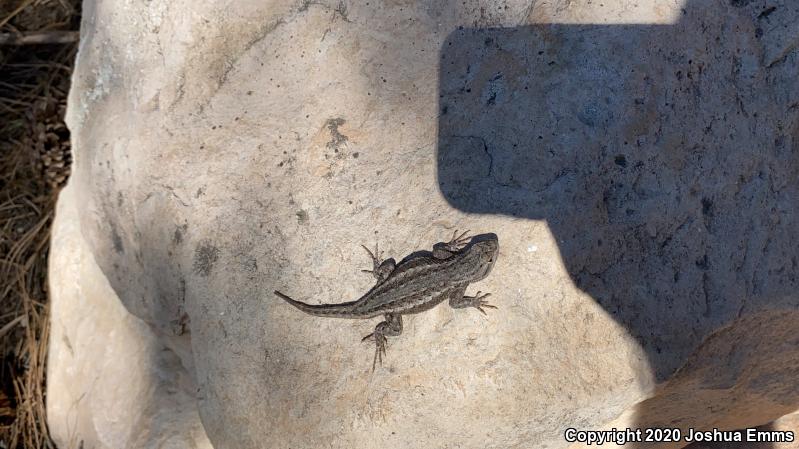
(665, 161)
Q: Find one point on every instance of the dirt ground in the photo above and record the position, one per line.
(38, 41)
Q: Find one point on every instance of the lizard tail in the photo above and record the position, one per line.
(331, 310)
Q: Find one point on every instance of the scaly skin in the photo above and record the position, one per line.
(416, 285)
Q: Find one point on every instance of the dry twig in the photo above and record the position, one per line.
(39, 38)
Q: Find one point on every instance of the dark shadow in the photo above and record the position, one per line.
(664, 159)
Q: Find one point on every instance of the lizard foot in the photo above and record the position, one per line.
(458, 242)
(442, 250)
(477, 301)
(381, 269)
(380, 350)
(391, 327)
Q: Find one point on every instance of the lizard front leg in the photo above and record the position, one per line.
(391, 327)
(459, 301)
(381, 269)
(443, 250)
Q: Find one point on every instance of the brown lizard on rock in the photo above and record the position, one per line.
(417, 283)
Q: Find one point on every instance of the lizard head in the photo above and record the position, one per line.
(486, 249)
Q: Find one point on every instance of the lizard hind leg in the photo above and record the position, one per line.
(391, 327)
(381, 269)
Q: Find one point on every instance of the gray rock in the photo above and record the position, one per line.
(637, 161)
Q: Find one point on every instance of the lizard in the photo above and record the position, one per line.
(415, 285)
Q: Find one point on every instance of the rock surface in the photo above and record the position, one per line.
(111, 382)
(639, 162)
